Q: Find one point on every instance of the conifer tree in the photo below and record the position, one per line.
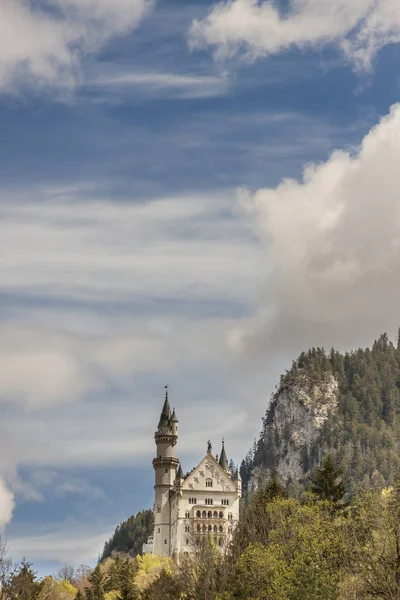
(128, 589)
(96, 579)
(327, 483)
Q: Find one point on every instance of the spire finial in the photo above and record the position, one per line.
(209, 447)
(223, 442)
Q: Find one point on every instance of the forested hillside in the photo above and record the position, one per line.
(344, 404)
(130, 535)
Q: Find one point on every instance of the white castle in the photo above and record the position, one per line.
(204, 502)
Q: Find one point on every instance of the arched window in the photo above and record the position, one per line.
(209, 483)
(187, 514)
(230, 517)
(209, 501)
(215, 515)
(198, 527)
(204, 514)
(215, 529)
(209, 514)
(187, 528)
(198, 514)
(204, 528)
(221, 514)
(210, 528)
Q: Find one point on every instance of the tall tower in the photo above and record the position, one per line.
(165, 465)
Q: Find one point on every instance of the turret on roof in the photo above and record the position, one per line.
(180, 474)
(236, 475)
(166, 411)
(174, 418)
(223, 459)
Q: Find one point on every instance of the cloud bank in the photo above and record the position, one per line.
(360, 28)
(332, 243)
(44, 42)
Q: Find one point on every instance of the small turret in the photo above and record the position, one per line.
(174, 423)
(223, 459)
(180, 474)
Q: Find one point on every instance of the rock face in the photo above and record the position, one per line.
(292, 428)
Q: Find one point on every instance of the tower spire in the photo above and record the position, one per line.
(166, 411)
(223, 459)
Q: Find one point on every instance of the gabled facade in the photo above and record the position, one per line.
(190, 506)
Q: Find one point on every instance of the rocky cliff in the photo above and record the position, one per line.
(293, 427)
(347, 405)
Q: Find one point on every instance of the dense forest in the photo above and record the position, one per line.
(364, 433)
(130, 535)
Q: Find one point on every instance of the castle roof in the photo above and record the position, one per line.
(174, 418)
(180, 474)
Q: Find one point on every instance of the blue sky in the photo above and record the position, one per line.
(188, 194)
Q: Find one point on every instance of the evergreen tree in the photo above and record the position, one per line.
(23, 584)
(128, 589)
(96, 580)
(327, 483)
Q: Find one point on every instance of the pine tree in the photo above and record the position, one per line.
(128, 589)
(327, 483)
(96, 580)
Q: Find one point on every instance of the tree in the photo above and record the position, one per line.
(22, 584)
(327, 483)
(67, 572)
(127, 585)
(96, 580)
(79, 595)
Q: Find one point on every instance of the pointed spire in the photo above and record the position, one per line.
(223, 460)
(180, 474)
(166, 411)
(236, 475)
(174, 418)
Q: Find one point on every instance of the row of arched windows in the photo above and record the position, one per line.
(210, 514)
(206, 528)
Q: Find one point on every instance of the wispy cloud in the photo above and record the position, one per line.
(150, 83)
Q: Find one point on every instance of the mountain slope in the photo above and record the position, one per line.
(345, 404)
(130, 535)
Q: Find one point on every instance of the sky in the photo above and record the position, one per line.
(192, 194)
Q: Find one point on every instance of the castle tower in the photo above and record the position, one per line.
(165, 465)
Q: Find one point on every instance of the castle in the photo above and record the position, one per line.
(190, 506)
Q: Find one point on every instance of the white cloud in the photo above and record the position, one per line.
(359, 27)
(6, 504)
(189, 248)
(150, 82)
(44, 43)
(70, 542)
(332, 244)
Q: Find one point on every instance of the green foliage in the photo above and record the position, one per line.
(130, 535)
(96, 579)
(327, 483)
